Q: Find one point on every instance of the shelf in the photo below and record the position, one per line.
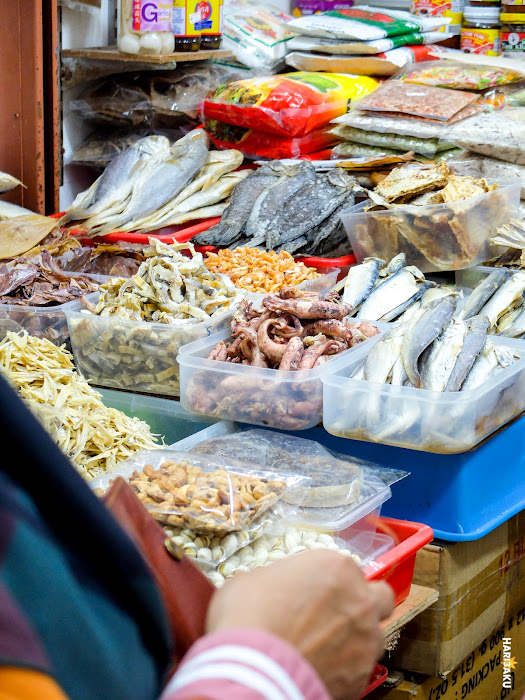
(111, 53)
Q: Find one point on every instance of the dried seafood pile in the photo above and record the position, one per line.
(294, 331)
(93, 436)
(25, 233)
(34, 289)
(259, 270)
(387, 292)
(285, 207)
(438, 352)
(453, 235)
(512, 236)
(41, 283)
(120, 260)
(112, 344)
(153, 184)
(183, 494)
(499, 298)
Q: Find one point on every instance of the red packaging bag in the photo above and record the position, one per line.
(293, 104)
(262, 145)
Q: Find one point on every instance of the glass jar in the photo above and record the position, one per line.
(144, 27)
(480, 33)
(186, 25)
(513, 34)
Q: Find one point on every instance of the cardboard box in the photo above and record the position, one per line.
(479, 676)
(480, 584)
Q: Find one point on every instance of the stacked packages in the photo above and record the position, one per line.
(281, 116)
(364, 40)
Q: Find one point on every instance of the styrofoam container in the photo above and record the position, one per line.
(166, 417)
(431, 421)
(49, 322)
(136, 356)
(288, 400)
(474, 221)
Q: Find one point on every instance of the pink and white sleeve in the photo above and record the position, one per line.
(244, 664)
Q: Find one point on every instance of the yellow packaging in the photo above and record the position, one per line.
(480, 41)
(186, 18)
(210, 11)
(441, 8)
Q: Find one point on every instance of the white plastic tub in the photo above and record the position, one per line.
(136, 356)
(446, 423)
(287, 400)
(453, 236)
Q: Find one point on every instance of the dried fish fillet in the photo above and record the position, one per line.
(21, 233)
(93, 436)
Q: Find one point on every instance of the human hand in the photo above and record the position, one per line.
(319, 602)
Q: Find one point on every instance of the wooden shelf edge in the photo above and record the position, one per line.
(111, 53)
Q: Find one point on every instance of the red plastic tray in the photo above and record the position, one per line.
(396, 567)
(379, 676)
(184, 233)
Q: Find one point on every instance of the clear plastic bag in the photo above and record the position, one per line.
(341, 489)
(117, 101)
(258, 37)
(418, 100)
(402, 126)
(206, 494)
(499, 134)
(182, 91)
(426, 147)
(89, 6)
(453, 74)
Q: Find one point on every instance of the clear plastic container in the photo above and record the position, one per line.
(443, 236)
(321, 285)
(165, 417)
(145, 27)
(287, 400)
(444, 423)
(135, 356)
(49, 322)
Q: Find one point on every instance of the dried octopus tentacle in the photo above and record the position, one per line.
(311, 355)
(315, 310)
(330, 327)
(367, 329)
(274, 351)
(219, 352)
(293, 354)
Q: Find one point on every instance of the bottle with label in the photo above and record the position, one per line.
(144, 27)
(513, 34)
(437, 8)
(186, 25)
(480, 33)
(211, 24)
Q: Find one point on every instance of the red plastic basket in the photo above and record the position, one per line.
(396, 567)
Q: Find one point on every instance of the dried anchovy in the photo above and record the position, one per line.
(92, 435)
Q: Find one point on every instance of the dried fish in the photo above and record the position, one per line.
(21, 233)
(132, 337)
(8, 182)
(93, 436)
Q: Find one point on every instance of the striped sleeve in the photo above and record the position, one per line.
(244, 664)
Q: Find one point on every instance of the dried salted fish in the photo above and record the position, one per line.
(92, 435)
(168, 288)
(408, 181)
(8, 182)
(21, 233)
(132, 337)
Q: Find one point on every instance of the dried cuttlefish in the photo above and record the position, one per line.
(169, 287)
(92, 435)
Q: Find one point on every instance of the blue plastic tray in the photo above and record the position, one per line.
(462, 497)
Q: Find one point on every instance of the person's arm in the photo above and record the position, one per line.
(306, 627)
(245, 664)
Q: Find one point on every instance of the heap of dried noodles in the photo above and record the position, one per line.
(92, 435)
